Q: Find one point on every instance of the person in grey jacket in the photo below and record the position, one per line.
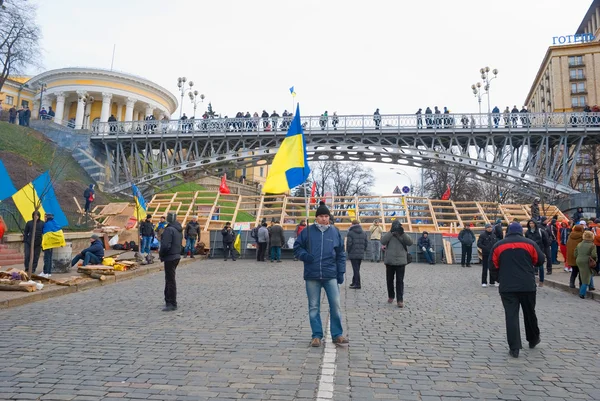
(396, 244)
(356, 246)
(466, 238)
(263, 241)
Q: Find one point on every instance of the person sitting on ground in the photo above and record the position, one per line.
(424, 245)
(93, 254)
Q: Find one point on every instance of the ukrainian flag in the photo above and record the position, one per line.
(290, 166)
(140, 203)
(39, 192)
(7, 189)
(52, 235)
(292, 91)
(237, 244)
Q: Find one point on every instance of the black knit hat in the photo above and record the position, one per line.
(322, 210)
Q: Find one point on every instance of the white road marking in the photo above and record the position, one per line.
(328, 367)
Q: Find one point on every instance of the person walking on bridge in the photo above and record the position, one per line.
(496, 114)
(377, 119)
(419, 118)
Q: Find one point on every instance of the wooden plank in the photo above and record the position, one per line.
(212, 210)
(78, 205)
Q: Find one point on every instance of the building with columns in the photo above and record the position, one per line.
(82, 96)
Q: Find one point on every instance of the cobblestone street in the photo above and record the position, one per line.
(242, 332)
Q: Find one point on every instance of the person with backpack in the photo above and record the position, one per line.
(262, 239)
(89, 195)
(466, 239)
(146, 234)
(396, 258)
(192, 232)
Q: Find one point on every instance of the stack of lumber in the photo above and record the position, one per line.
(16, 280)
(97, 271)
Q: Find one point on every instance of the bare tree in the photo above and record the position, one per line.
(321, 172)
(342, 178)
(19, 38)
(462, 186)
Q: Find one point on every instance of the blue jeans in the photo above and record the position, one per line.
(375, 250)
(190, 245)
(541, 273)
(584, 287)
(275, 253)
(48, 261)
(313, 292)
(87, 258)
(554, 250)
(146, 242)
(429, 256)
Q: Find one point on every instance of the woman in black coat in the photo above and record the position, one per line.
(356, 246)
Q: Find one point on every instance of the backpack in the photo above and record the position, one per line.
(126, 246)
(86, 193)
(254, 233)
(118, 247)
(133, 246)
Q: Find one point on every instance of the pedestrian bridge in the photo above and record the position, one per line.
(532, 152)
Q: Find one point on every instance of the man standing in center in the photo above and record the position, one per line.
(516, 258)
(170, 254)
(192, 231)
(466, 238)
(321, 248)
(376, 231)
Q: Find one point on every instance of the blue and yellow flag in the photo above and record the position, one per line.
(237, 244)
(39, 192)
(290, 166)
(140, 203)
(292, 91)
(52, 235)
(7, 189)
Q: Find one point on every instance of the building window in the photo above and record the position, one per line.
(575, 61)
(578, 88)
(24, 103)
(262, 171)
(578, 101)
(9, 100)
(576, 73)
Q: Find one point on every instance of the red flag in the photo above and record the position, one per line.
(313, 192)
(446, 194)
(223, 188)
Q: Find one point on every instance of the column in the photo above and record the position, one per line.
(136, 116)
(80, 109)
(119, 110)
(130, 103)
(88, 115)
(105, 111)
(149, 111)
(597, 17)
(60, 107)
(594, 26)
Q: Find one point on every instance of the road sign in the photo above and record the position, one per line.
(405, 189)
(396, 190)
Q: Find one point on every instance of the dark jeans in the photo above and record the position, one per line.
(260, 252)
(48, 261)
(554, 247)
(485, 261)
(170, 283)
(87, 258)
(512, 301)
(574, 274)
(88, 203)
(465, 256)
(356, 270)
(36, 256)
(275, 253)
(397, 271)
(548, 260)
(228, 250)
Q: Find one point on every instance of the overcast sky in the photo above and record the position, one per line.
(347, 56)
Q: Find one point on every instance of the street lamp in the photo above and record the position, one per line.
(402, 172)
(181, 85)
(477, 92)
(485, 76)
(195, 99)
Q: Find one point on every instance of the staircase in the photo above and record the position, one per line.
(94, 168)
(10, 256)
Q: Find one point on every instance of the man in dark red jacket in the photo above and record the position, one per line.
(516, 257)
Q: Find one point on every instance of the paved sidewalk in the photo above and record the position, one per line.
(242, 332)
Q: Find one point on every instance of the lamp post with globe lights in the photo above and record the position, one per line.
(196, 99)
(183, 89)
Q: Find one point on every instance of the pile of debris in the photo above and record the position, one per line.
(18, 280)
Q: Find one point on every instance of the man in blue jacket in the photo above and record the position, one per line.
(321, 248)
(94, 254)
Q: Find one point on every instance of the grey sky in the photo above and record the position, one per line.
(346, 56)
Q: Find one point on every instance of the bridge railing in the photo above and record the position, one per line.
(356, 123)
